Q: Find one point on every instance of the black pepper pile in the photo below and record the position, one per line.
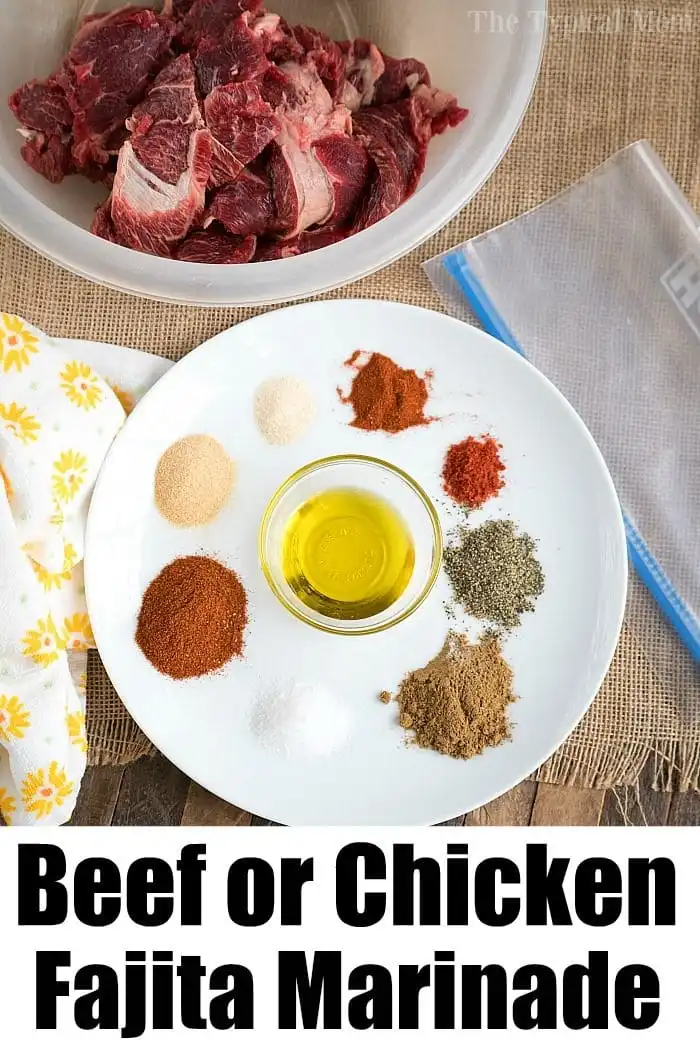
(494, 573)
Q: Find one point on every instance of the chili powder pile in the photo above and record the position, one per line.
(472, 471)
(385, 396)
(192, 618)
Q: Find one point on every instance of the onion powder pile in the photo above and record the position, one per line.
(284, 410)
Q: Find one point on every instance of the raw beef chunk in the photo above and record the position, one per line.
(102, 224)
(241, 121)
(237, 54)
(214, 246)
(228, 135)
(41, 105)
(364, 66)
(284, 47)
(399, 80)
(173, 97)
(302, 97)
(177, 9)
(311, 241)
(407, 127)
(396, 137)
(303, 189)
(42, 109)
(326, 56)
(397, 129)
(50, 155)
(224, 166)
(267, 28)
(246, 206)
(385, 193)
(346, 164)
(442, 108)
(162, 126)
(211, 18)
(152, 215)
(106, 73)
(164, 168)
(271, 251)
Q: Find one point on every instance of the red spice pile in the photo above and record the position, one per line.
(192, 618)
(385, 396)
(472, 471)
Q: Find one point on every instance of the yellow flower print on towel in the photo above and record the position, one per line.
(16, 343)
(70, 557)
(44, 643)
(75, 724)
(46, 788)
(58, 518)
(81, 385)
(125, 399)
(69, 477)
(21, 423)
(8, 805)
(7, 483)
(78, 632)
(14, 718)
(50, 580)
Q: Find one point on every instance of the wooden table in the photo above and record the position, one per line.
(153, 792)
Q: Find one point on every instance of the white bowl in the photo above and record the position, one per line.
(489, 60)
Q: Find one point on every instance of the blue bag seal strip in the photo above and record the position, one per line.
(681, 618)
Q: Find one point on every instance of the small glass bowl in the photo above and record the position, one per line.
(381, 479)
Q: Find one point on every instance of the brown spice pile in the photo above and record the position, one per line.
(457, 704)
(192, 618)
(385, 396)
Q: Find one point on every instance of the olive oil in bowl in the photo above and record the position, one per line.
(347, 553)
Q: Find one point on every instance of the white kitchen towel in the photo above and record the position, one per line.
(62, 402)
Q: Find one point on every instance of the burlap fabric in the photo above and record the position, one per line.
(613, 73)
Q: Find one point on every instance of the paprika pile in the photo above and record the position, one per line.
(385, 396)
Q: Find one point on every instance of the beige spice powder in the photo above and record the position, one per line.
(194, 480)
(284, 409)
(458, 703)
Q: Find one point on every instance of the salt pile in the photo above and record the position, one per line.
(301, 720)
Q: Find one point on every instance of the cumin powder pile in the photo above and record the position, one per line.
(458, 703)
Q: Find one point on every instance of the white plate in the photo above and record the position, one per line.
(558, 490)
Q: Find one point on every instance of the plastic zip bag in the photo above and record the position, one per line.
(600, 289)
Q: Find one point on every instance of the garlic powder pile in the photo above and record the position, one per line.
(194, 480)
